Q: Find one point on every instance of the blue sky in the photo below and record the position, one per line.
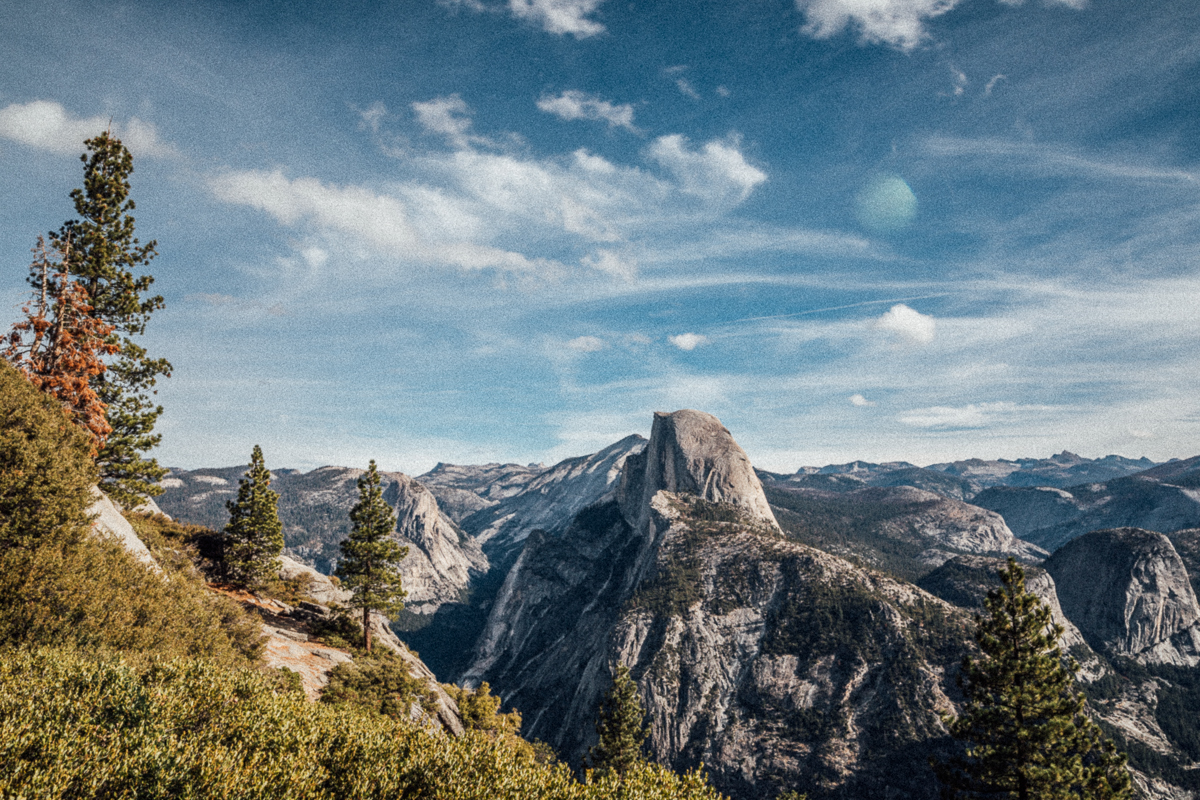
(510, 230)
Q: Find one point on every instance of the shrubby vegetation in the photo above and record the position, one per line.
(78, 727)
(63, 586)
(381, 683)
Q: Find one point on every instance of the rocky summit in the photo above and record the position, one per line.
(1129, 593)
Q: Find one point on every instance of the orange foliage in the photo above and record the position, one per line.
(59, 345)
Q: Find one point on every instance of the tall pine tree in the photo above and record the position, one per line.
(621, 725)
(108, 260)
(1023, 724)
(253, 539)
(371, 557)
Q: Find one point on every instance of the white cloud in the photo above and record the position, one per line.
(574, 104)
(448, 117)
(560, 16)
(373, 116)
(974, 415)
(715, 170)
(991, 84)
(586, 344)
(899, 23)
(908, 325)
(377, 220)
(688, 341)
(46, 125)
(860, 401)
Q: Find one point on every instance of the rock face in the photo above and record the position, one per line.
(441, 559)
(551, 499)
(964, 581)
(107, 521)
(691, 452)
(1129, 593)
(685, 577)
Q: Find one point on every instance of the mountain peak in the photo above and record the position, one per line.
(691, 452)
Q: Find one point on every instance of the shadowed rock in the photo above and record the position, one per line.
(1128, 591)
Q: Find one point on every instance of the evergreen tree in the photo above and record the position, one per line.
(253, 539)
(371, 557)
(104, 255)
(1024, 725)
(621, 725)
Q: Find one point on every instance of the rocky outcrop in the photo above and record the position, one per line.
(490, 482)
(1128, 592)
(902, 530)
(1030, 509)
(289, 642)
(1051, 519)
(441, 558)
(109, 522)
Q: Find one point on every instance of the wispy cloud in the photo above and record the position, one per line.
(586, 344)
(477, 206)
(376, 219)
(858, 401)
(1049, 158)
(47, 125)
(575, 105)
(973, 415)
(899, 23)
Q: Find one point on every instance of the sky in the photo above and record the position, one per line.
(511, 230)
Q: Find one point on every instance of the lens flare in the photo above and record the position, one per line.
(887, 205)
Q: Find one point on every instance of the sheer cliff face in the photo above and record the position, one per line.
(692, 453)
(441, 561)
(1129, 593)
(685, 577)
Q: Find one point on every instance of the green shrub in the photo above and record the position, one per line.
(80, 728)
(46, 469)
(380, 682)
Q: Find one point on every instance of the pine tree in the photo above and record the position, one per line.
(60, 344)
(104, 255)
(371, 557)
(1024, 725)
(621, 725)
(253, 539)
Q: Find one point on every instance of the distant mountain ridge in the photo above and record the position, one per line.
(774, 622)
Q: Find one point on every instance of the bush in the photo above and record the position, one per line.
(75, 727)
(381, 683)
(46, 470)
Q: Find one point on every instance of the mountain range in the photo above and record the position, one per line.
(790, 631)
